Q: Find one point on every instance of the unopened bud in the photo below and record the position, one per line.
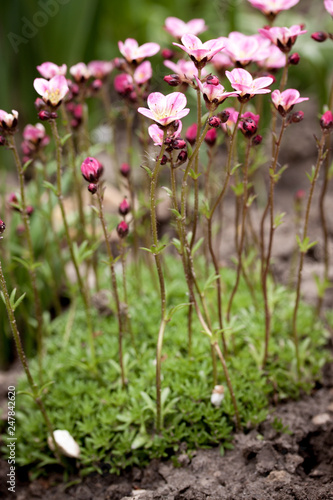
(212, 80)
(217, 395)
(44, 115)
(214, 121)
(53, 115)
(39, 104)
(224, 115)
(167, 53)
(179, 144)
(319, 36)
(164, 159)
(211, 137)
(173, 80)
(297, 116)
(96, 85)
(2, 140)
(294, 59)
(182, 156)
(299, 195)
(122, 229)
(191, 133)
(91, 170)
(248, 127)
(2, 226)
(326, 121)
(124, 207)
(257, 139)
(125, 170)
(92, 188)
(30, 210)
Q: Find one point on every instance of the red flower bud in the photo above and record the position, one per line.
(96, 85)
(326, 121)
(257, 139)
(179, 144)
(248, 127)
(91, 170)
(164, 159)
(211, 137)
(212, 80)
(191, 133)
(13, 202)
(39, 104)
(182, 157)
(123, 84)
(125, 170)
(173, 80)
(122, 229)
(53, 115)
(294, 59)
(297, 116)
(92, 188)
(299, 195)
(2, 226)
(124, 207)
(167, 53)
(319, 36)
(224, 115)
(214, 121)
(44, 115)
(30, 210)
(2, 140)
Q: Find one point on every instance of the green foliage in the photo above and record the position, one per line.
(116, 427)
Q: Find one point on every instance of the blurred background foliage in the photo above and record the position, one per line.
(84, 30)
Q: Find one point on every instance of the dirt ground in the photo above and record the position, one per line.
(264, 464)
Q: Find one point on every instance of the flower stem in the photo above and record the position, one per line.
(113, 283)
(320, 158)
(196, 167)
(83, 289)
(32, 264)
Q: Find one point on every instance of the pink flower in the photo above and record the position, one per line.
(221, 62)
(326, 121)
(91, 169)
(185, 69)
(34, 134)
(123, 84)
(80, 72)
(272, 7)
(243, 49)
(230, 123)
(191, 133)
(157, 134)
(100, 69)
(122, 229)
(285, 101)
(199, 52)
(143, 73)
(275, 59)
(8, 121)
(242, 80)
(48, 70)
(52, 91)
(284, 38)
(133, 53)
(214, 94)
(165, 109)
(329, 6)
(177, 28)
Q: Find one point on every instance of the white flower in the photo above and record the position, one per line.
(66, 443)
(217, 395)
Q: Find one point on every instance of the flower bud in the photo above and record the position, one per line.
(182, 157)
(326, 121)
(91, 170)
(299, 195)
(2, 226)
(173, 80)
(14, 202)
(167, 53)
(96, 85)
(164, 159)
(212, 80)
(44, 115)
(30, 210)
(20, 229)
(214, 121)
(217, 396)
(124, 207)
(257, 139)
(125, 170)
(92, 188)
(2, 140)
(224, 116)
(179, 144)
(319, 36)
(211, 137)
(294, 59)
(297, 116)
(39, 104)
(191, 133)
(122, 229)
(53, 115)
(248, 127)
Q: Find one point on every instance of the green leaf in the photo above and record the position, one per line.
(238, 189)
(213, 277)
(312, 175)
(18, 302)
(177, 244)
(139, 441)
(234, 168)
(48, 185)
(168, 191)
(26, 165)
(178, 307)
(23, 262)
(197, 245)
(194, 175)
(147, 169)
(176, 213)
(305, 245)
(146, 249)
(64, 139)
(278, 220)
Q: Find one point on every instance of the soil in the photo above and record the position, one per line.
(265, 464)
